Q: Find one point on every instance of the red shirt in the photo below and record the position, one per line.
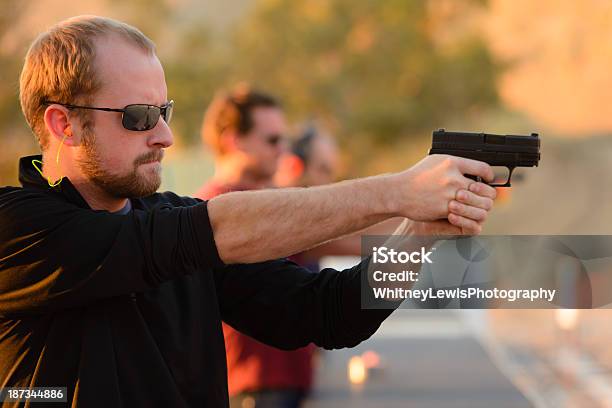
(252, 365)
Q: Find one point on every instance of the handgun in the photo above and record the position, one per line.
(509, 151)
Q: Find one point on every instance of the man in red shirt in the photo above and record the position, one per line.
(246, 130)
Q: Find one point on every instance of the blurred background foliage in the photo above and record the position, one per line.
(378, 74)
(373, 70)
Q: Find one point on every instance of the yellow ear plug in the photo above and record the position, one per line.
(36, 162)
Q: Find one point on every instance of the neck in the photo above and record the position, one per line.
(95, 197)
(51, 169)
(234, 173)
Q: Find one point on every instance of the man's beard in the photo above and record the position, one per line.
(129, 185)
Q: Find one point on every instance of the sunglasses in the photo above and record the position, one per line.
(274, 140)
(137, 116)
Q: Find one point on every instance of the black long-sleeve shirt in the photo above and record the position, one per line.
(126, 310)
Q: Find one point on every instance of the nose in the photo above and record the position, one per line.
(161, 135)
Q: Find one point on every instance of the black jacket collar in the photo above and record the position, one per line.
(29, 177)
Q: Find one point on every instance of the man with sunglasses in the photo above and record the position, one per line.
(116, 292)
(244, 129)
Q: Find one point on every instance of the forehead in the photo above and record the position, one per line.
(268, 118)
(127, 73)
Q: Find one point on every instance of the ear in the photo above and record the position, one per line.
(58, 124)
(290, 170)
(292, 165)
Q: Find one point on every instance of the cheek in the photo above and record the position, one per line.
(273, 152)
(116, 148)
(274, 157)
(262, 152)
(323, 177)
(270, 153)
(109, 159)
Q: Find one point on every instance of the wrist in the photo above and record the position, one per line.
(423, 233)
(391, 195)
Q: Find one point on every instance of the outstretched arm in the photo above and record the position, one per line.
(255, 226)
(286, 306)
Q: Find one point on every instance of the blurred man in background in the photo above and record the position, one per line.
(245, 129)
(312, 160)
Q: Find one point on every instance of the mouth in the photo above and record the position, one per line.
(152, 158)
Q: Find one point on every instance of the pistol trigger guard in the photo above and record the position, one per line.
(507, 183)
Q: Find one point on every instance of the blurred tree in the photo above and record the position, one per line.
(152, 17)
(193, 73)
(379, 74)
(14, 131)
(375, 69)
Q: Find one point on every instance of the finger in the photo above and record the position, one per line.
(484, 190)
(467, 211)
(475, 168)
(468, 227)
(442, 227)
(474, 200)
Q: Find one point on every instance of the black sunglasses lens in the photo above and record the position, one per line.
(153, 114)
(140, 117)
(275, 140)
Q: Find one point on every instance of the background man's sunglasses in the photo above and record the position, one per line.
(136, 117)
(275, 140)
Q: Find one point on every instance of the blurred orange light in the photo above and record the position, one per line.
(566, 318)
(371, 359)
(357, 371)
